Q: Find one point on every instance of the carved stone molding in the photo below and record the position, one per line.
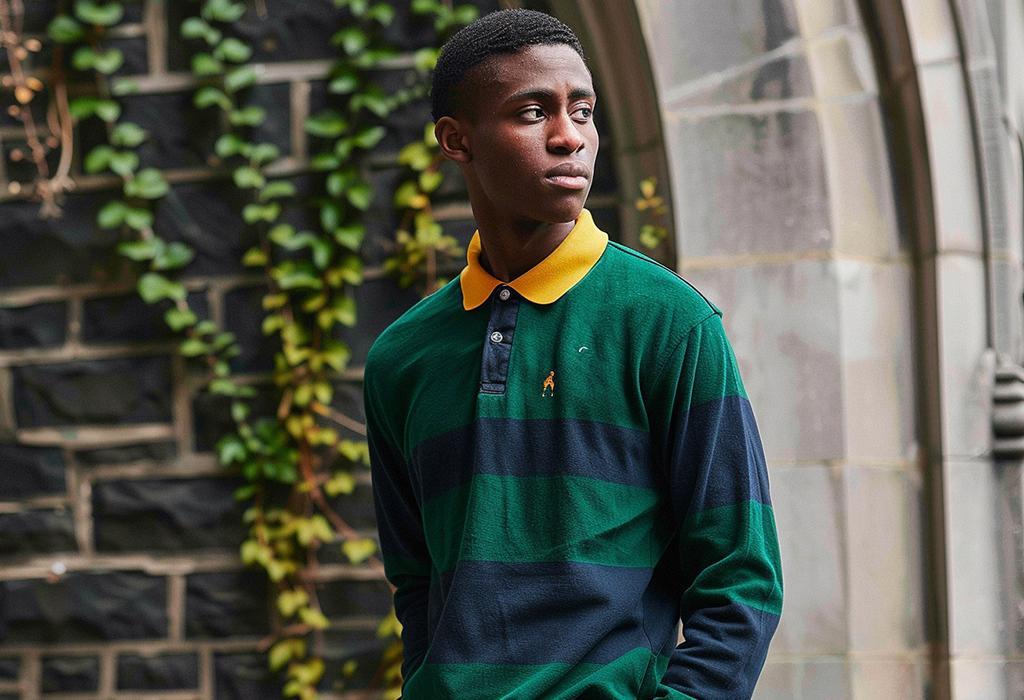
(1008, 412)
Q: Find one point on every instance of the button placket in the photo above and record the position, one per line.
(497, 348)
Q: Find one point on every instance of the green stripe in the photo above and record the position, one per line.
(738, 556)
(562, 518)
(619, 680)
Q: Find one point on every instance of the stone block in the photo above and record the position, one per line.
(863, 210)
(167, 515)
(277, 129)
(689, 39)
(212, 414)
(161, 672)
(951, 157)
(68, 250)
(86, 607)
(748, 184)
(966, 364)
(125, 454)
(784, 325)
(977, 619)
(355, 598)
(136, 58)
(178, 136)
(127, 318)
(877, 342)
(226, 604)
(70, 674)
(207, 217)
(243, 316)
(38, 14)
(884, 559)
(35, 326)
(37, 532)
(379, 302)
(108, 392)
(244, 677)
(365, 648)
(357, 508)
(291, 31)
(30, 471)
(814, 678)
(10, 668)
(889, 679)
(807, 501)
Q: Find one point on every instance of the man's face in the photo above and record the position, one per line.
(528, 130)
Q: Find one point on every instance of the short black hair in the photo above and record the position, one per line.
(501, 32)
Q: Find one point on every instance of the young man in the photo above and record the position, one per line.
(564, 460)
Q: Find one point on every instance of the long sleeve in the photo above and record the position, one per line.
(731, 573)
(400, 526)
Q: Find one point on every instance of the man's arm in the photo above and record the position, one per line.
(402, 544)
(730, 567)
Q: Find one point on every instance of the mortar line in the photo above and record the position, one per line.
(176, 607)
(8, 423)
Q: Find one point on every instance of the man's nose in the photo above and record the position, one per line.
(565, 135)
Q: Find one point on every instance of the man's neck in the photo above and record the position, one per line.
(509, 251)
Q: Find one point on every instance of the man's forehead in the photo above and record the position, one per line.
(544, 65)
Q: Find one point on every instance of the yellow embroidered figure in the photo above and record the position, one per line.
(549, 383)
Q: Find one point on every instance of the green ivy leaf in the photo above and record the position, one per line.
(108, 61)
(373, 57)
(83, 58)
(83, 107)
(297, 275)
(465, 14)
(205, 64)
(193, 347)
(124, 86)
(336, 183)
(383, 13)
(108, 110)
(240, 78)
(264, 152)
(277, 190)
(154, 287)
(179, 319)
(248, 176)
(112, 214)
(359, 195)
(352, 40)
(230, 449)
(416, 155)
(322, 249)
(148, 183)
(64, 29)
(145, 249)
(254, 257)
(197, 28)
(336, 353)
(223, 10)
(249, 116)
(138, 219)
(326, 124)
(344, 83)
(98, 159)
(370, 136)
(233, 50)
(358, 551)
(324, 161)
(330, 216)
(425, 59)
(128, 135)
(124, 163)
(430, 180)
(374, 100)
(281, 234)
(174, 256)
(104, 15)
(350, 237)
(425, 7)
(209, 96)
(228, 145)
(261, 212)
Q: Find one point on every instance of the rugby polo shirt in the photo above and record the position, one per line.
(564, 466)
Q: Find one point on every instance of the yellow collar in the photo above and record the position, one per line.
(547, 281)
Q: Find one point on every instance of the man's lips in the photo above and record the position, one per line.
(573, 175)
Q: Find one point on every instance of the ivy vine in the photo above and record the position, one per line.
(295, 462)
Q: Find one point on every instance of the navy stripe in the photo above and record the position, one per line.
(539, 447)
(719, 461)
(724, 651)
(551, 612)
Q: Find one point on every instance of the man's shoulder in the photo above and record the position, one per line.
(653, 291)
(411, 329)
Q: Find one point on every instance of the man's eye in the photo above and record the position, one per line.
(584, 113)
(533, 113)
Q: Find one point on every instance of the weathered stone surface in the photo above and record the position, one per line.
(277, 129)
(127, 318)
(167, 515)
(55, 251)
(35, 326)
(360, 598)
(357, 508)
(164, 672)
(156, 451)
(70, 674)
(243, 316)
(226, 604)
(122, 391)
(178, 142)
(291, 31)
(365, 648)
(206, 216)
(10, 668)
(30, 471)
(84, 607)
(37, 531)
(136, 62)
(379, 302)
(244, 677)
(212, 414)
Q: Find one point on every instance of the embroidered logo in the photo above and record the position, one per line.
(549, 383)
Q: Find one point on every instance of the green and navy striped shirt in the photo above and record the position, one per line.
(564, 467)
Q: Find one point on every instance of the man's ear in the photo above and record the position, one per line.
(450, 135)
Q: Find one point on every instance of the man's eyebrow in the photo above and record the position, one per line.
(540, 94)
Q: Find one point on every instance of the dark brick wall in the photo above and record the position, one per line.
(119, 570)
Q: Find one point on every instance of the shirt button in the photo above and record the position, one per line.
(504, 294)
(496, 337)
